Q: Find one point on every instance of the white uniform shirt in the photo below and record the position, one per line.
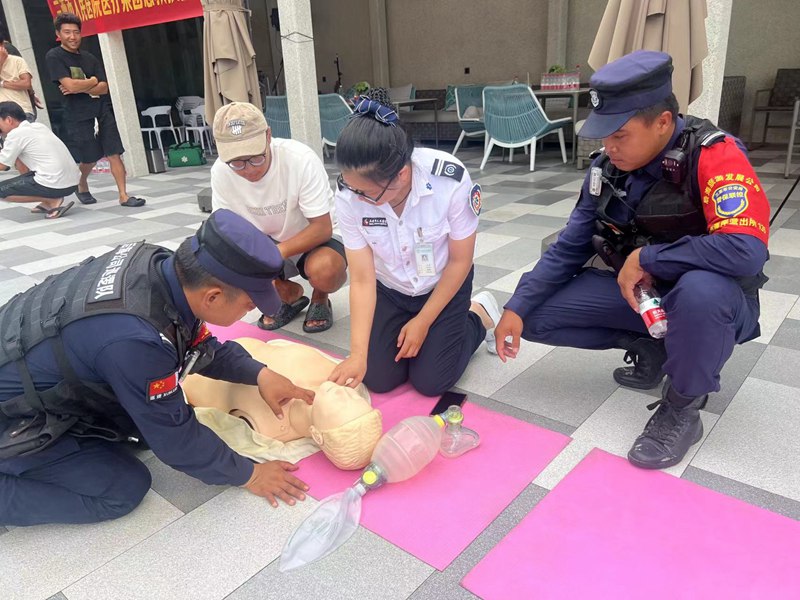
(296, 188)
(438, 209)
(42, 152)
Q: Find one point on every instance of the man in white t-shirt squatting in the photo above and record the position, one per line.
(47, 171)
(281, 187)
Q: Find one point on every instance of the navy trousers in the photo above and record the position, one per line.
(73, 481)
(707, 315)
(452, 340)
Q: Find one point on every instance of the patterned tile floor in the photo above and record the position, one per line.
(189, 540)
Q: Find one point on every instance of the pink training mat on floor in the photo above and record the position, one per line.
(610, 530)
(437, 513)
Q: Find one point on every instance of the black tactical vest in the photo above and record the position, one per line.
(668, 211)
(127, 280)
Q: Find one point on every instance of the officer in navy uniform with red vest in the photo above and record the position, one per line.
(670, 201)
(95, 355)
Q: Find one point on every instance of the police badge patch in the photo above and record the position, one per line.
(594, 98)
(475, 199)
(447, 169)
(730, 200)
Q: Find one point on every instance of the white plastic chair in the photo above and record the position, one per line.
(514, 119)
(153, 113)
(197, 127)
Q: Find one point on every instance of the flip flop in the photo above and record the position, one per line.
(133, 202)
(319, 312)
(286, 314)
(58, 212)
(86, 197)
(40, 209)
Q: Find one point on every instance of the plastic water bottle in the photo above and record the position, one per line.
(650, 308)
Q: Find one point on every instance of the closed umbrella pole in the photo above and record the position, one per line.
(229, 59)
(676, 27)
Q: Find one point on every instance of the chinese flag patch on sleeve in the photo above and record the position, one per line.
(161, 388)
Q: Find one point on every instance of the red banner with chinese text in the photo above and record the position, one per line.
(101, 16)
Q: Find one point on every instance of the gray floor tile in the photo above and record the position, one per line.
(774, 308)
(486, 373)
(366, 566)
(446, 584)
(613, 427)
(554, 223)
(733, 375)
(22, 255)
(206, 554)
(546, 197)
(752, 495)
(755, 441)
(58, 596)
(567, 385)
(783, 274)
(182, 491)
(40, 561)
(781, 365)
(512, 256)
(788, 335)
(517, 413)
(484, 275)
(529, 232)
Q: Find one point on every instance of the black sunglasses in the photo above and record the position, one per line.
(342, 184)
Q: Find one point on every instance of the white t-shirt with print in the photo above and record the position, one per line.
(296, 188)
(42, 152)
(438, 209)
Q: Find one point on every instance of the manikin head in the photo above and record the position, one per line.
(341, 420)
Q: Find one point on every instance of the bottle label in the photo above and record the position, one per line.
(652, 312)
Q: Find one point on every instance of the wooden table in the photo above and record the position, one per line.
(575, 95)
(420, 101)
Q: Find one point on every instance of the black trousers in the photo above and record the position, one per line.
(452, 339)
(73, 481)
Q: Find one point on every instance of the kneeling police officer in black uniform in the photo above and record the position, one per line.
(95, 356)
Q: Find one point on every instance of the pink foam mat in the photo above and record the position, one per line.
(436, 514)
(610, 530)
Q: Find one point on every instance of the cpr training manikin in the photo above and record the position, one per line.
(341, 420)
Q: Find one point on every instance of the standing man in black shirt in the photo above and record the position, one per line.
(81, 78)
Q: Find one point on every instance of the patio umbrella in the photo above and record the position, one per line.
(229, 60)
(676, 27)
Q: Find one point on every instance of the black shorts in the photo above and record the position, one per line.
(25, 185)
(291, 268)
(88, 148)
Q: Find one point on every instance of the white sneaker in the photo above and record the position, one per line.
(489, 304)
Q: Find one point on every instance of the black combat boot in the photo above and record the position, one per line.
(671, 431)
(648, 356)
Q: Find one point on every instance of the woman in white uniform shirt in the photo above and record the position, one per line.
(408, 219)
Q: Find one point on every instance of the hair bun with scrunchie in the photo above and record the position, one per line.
(377, 104)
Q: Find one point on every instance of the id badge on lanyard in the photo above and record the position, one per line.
(423, 252)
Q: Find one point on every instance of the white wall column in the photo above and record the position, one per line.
(122, 97)
(300, 71)
(557, 13)
(21, 38)
(718, 22)
(380, 43)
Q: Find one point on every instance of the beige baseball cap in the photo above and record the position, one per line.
(240, 130)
